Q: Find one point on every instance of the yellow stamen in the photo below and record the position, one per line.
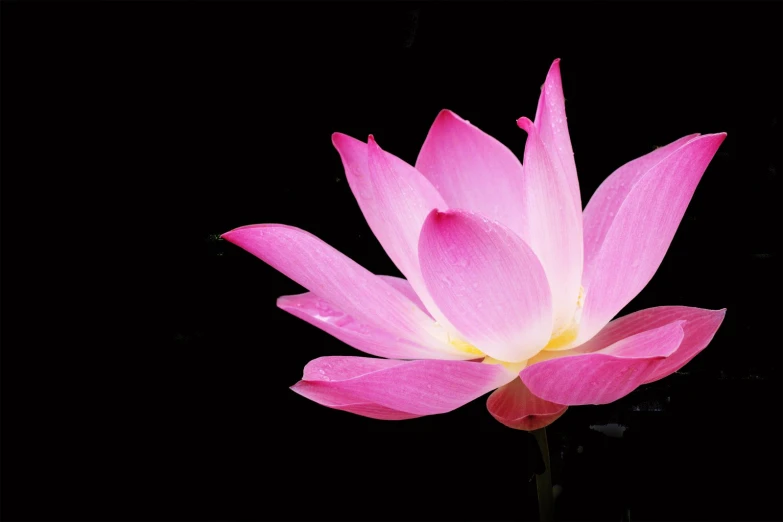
(512, 367)
(462, 346)
(564, 339)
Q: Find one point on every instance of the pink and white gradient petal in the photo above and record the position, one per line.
(553, 131)
(338, 399)
(331, 275)
(554, 226)
(395, 199)
(605, 375)
(473, 171)
(364, 337)
(488, 282)
(424, 387)
(607, 199)
(641, 232)
(699, 328)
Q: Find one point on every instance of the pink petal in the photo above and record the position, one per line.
(488, 282)
(405, 288)
(699, 328)
(368, 338)
(473, 171)
(516, 407)
(336, 278)
(606, 375)
(332, 397)
(642, 229)
(555, 226)
(553, 130)
(395, 199)
(603, 206)
(412, 387)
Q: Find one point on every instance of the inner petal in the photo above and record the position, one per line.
(564, 338)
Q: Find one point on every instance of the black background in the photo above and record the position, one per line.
(145, 366)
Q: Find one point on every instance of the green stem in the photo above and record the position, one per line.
(544, 480)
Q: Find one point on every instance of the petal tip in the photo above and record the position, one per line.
(344, 144)
(446, 113)
(284, 301)
(232, 235)
(338, 138)
(525, 124)
(446, 116)
(372, 147)
(717, 137)
(436, 213)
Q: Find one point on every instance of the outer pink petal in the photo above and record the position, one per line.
(488, 282)
(473, 171)
(553, 130)
(338, 399)
(641, 232)
(413, 387)
(603, 206)
(368, 338)
(606, 375)
(698, 330)
(333, 276)
(395, 199)
(555, 226)
(405, 288)
(515, 406)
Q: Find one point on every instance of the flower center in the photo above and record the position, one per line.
(512, 367)
(462, 346)
(564, 338)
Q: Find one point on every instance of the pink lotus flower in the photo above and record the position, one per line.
(510, 286)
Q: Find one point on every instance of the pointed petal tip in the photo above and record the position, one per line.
(525, 124)
(235, 233)
(284, 300)
(337, 137)
(373, 148)
(230, 235)
(446, 115)
(717, 137)
(297, 387)
(437, 215)
(342, 142)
